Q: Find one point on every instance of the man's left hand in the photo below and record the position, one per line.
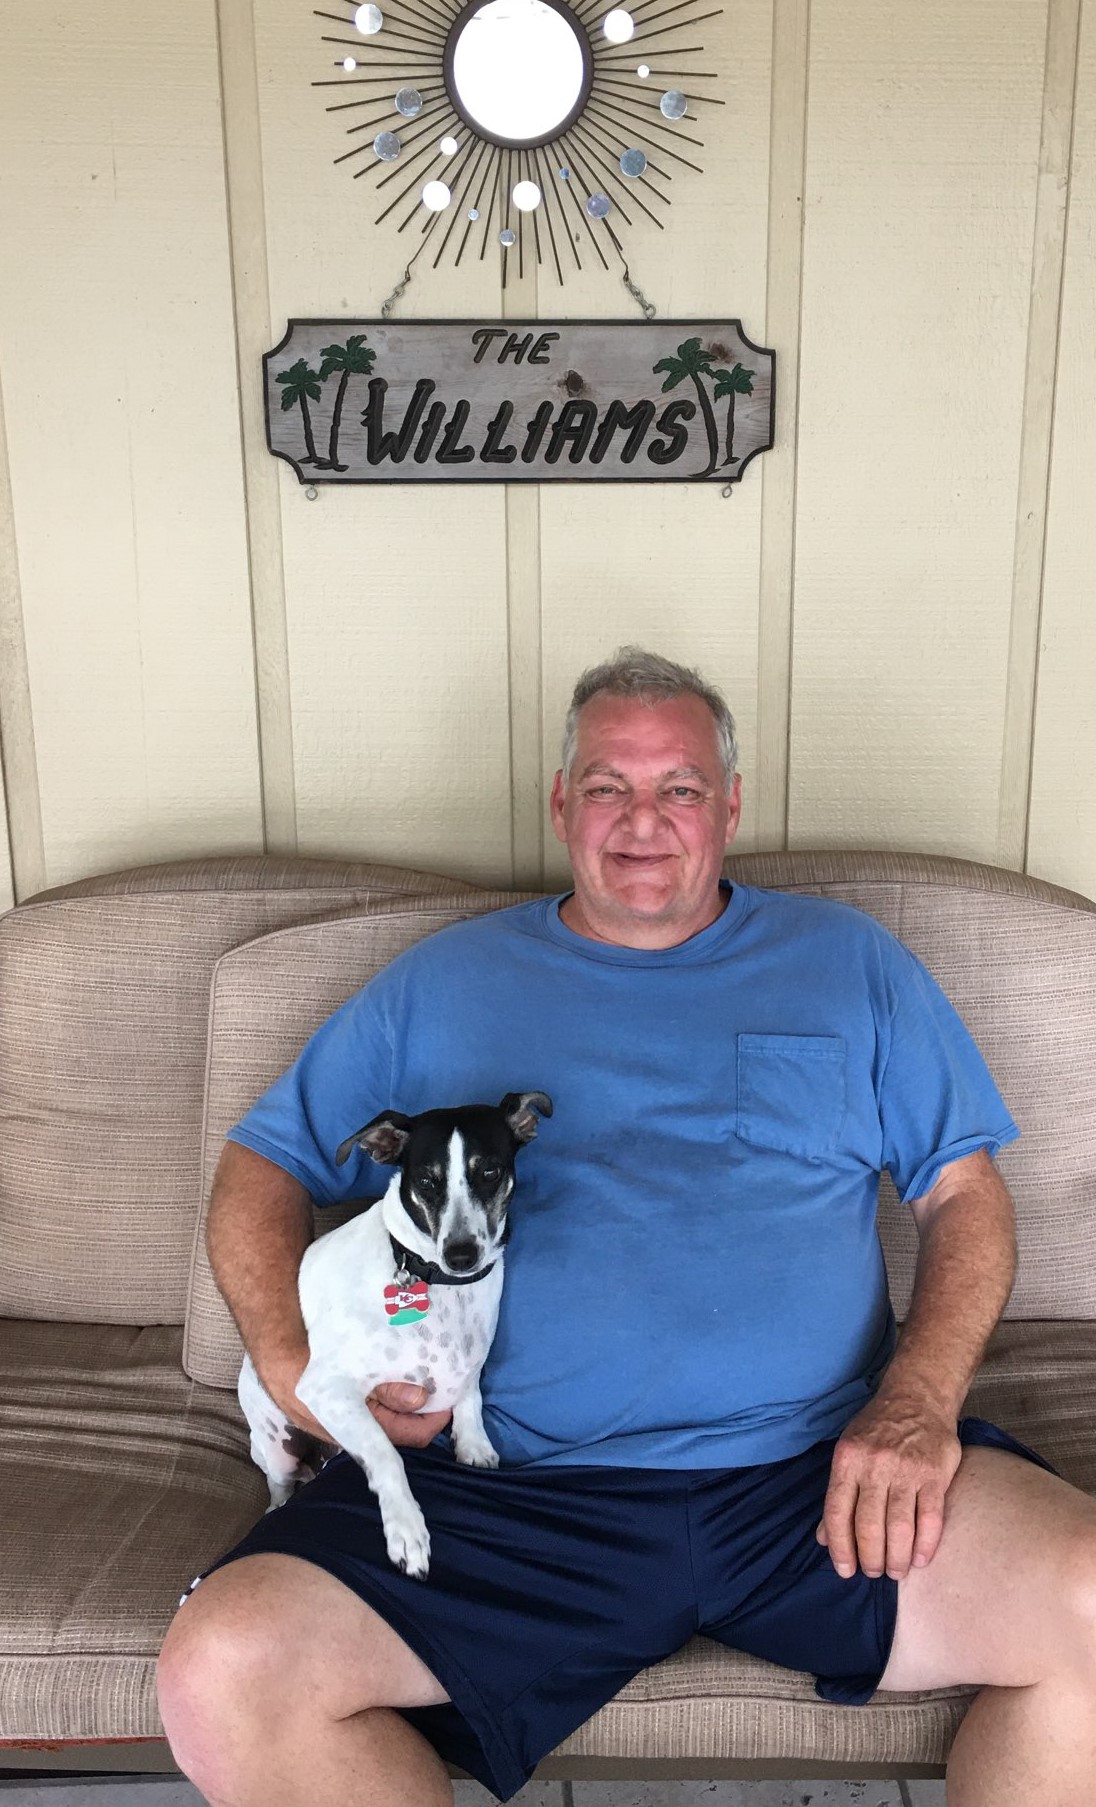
(891, 1470)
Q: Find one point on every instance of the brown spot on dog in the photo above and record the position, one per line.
(573, 383)
(298, 1443)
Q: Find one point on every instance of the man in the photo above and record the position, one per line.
(703, 1419)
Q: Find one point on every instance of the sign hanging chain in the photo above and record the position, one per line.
(647, 308)
(387, 306)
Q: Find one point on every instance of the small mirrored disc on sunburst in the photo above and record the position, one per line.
(673, 104)
(436, 197)
(387, 146)
(633, 162)
(408, 102)
(598, 206)
(507, 237)
(618, 26)
(368, 19)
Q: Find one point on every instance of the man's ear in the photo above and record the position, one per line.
(384, 1139)
(734, 809)
(555, 808)
(520, 1110)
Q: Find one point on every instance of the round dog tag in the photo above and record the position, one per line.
(407, 1304)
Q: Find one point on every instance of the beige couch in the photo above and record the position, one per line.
(140, 1014)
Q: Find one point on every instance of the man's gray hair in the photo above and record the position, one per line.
(632, 671)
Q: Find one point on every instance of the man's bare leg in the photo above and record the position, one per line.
(1009, 1600)
(275, 1686)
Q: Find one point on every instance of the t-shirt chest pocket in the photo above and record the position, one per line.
(791, 1092)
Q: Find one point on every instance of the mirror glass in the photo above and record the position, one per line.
(518, 69)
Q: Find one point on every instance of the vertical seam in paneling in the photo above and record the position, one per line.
(524, 646)
(1040, 377)
(523, 621)
(783, 325)
(23, 802)
(251, 320)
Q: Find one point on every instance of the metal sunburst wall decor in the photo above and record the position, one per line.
(538, 126)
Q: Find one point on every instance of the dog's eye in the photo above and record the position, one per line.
(427, 1181)
(489, 1174)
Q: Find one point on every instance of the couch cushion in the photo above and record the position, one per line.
(121, 1480)
(266, 1000)
(104, 997)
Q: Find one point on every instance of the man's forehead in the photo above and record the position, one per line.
(615, 731)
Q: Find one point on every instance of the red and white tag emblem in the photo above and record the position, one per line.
(407, 1304)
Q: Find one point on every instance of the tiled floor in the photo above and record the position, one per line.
(111, 1792)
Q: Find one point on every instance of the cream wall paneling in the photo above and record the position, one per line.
(22, 863)
(120, 397)
(675, 567)
(922, 178)
(1062, 840)
(395, 598)
(882, 202)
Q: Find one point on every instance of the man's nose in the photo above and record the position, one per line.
(642, 814)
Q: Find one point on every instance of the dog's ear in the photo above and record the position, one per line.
(520, 1110)
(384, 1138)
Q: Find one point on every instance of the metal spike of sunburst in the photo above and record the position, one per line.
(404, 154)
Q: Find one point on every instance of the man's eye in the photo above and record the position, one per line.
(602, 790)
(686, 791)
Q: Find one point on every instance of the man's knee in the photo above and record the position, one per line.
(264, 1642)
(217, 1685)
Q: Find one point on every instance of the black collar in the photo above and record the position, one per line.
(407, 1262)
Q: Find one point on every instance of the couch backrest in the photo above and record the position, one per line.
(104, 1003)
(1017, 958)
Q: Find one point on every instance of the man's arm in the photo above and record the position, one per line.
(896, 1460)
(260, 1224)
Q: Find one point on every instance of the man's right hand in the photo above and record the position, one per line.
(395, 1406)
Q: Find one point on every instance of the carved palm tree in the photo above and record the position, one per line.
(352, 359)
(693, 362)
(300, 383)
(732, 382)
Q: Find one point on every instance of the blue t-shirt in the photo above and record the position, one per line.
(695, 1278)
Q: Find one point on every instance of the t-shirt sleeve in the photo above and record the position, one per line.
(339, 1082)
(938, 1100)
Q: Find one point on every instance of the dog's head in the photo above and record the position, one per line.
(456, 1173)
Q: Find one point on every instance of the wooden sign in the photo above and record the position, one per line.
(509, 401)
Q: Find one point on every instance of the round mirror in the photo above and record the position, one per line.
(519, 72)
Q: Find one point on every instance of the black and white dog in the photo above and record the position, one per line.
(408, 1291)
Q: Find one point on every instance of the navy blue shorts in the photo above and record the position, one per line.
(549, 1588)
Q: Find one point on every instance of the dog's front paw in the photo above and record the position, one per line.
(408, 1542)
(475, 1452)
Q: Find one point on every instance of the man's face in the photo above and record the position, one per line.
(646, 819)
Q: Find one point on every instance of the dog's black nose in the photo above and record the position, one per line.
(461, 1256)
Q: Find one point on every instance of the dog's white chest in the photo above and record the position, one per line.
(346, 1282)
(446, 1342)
